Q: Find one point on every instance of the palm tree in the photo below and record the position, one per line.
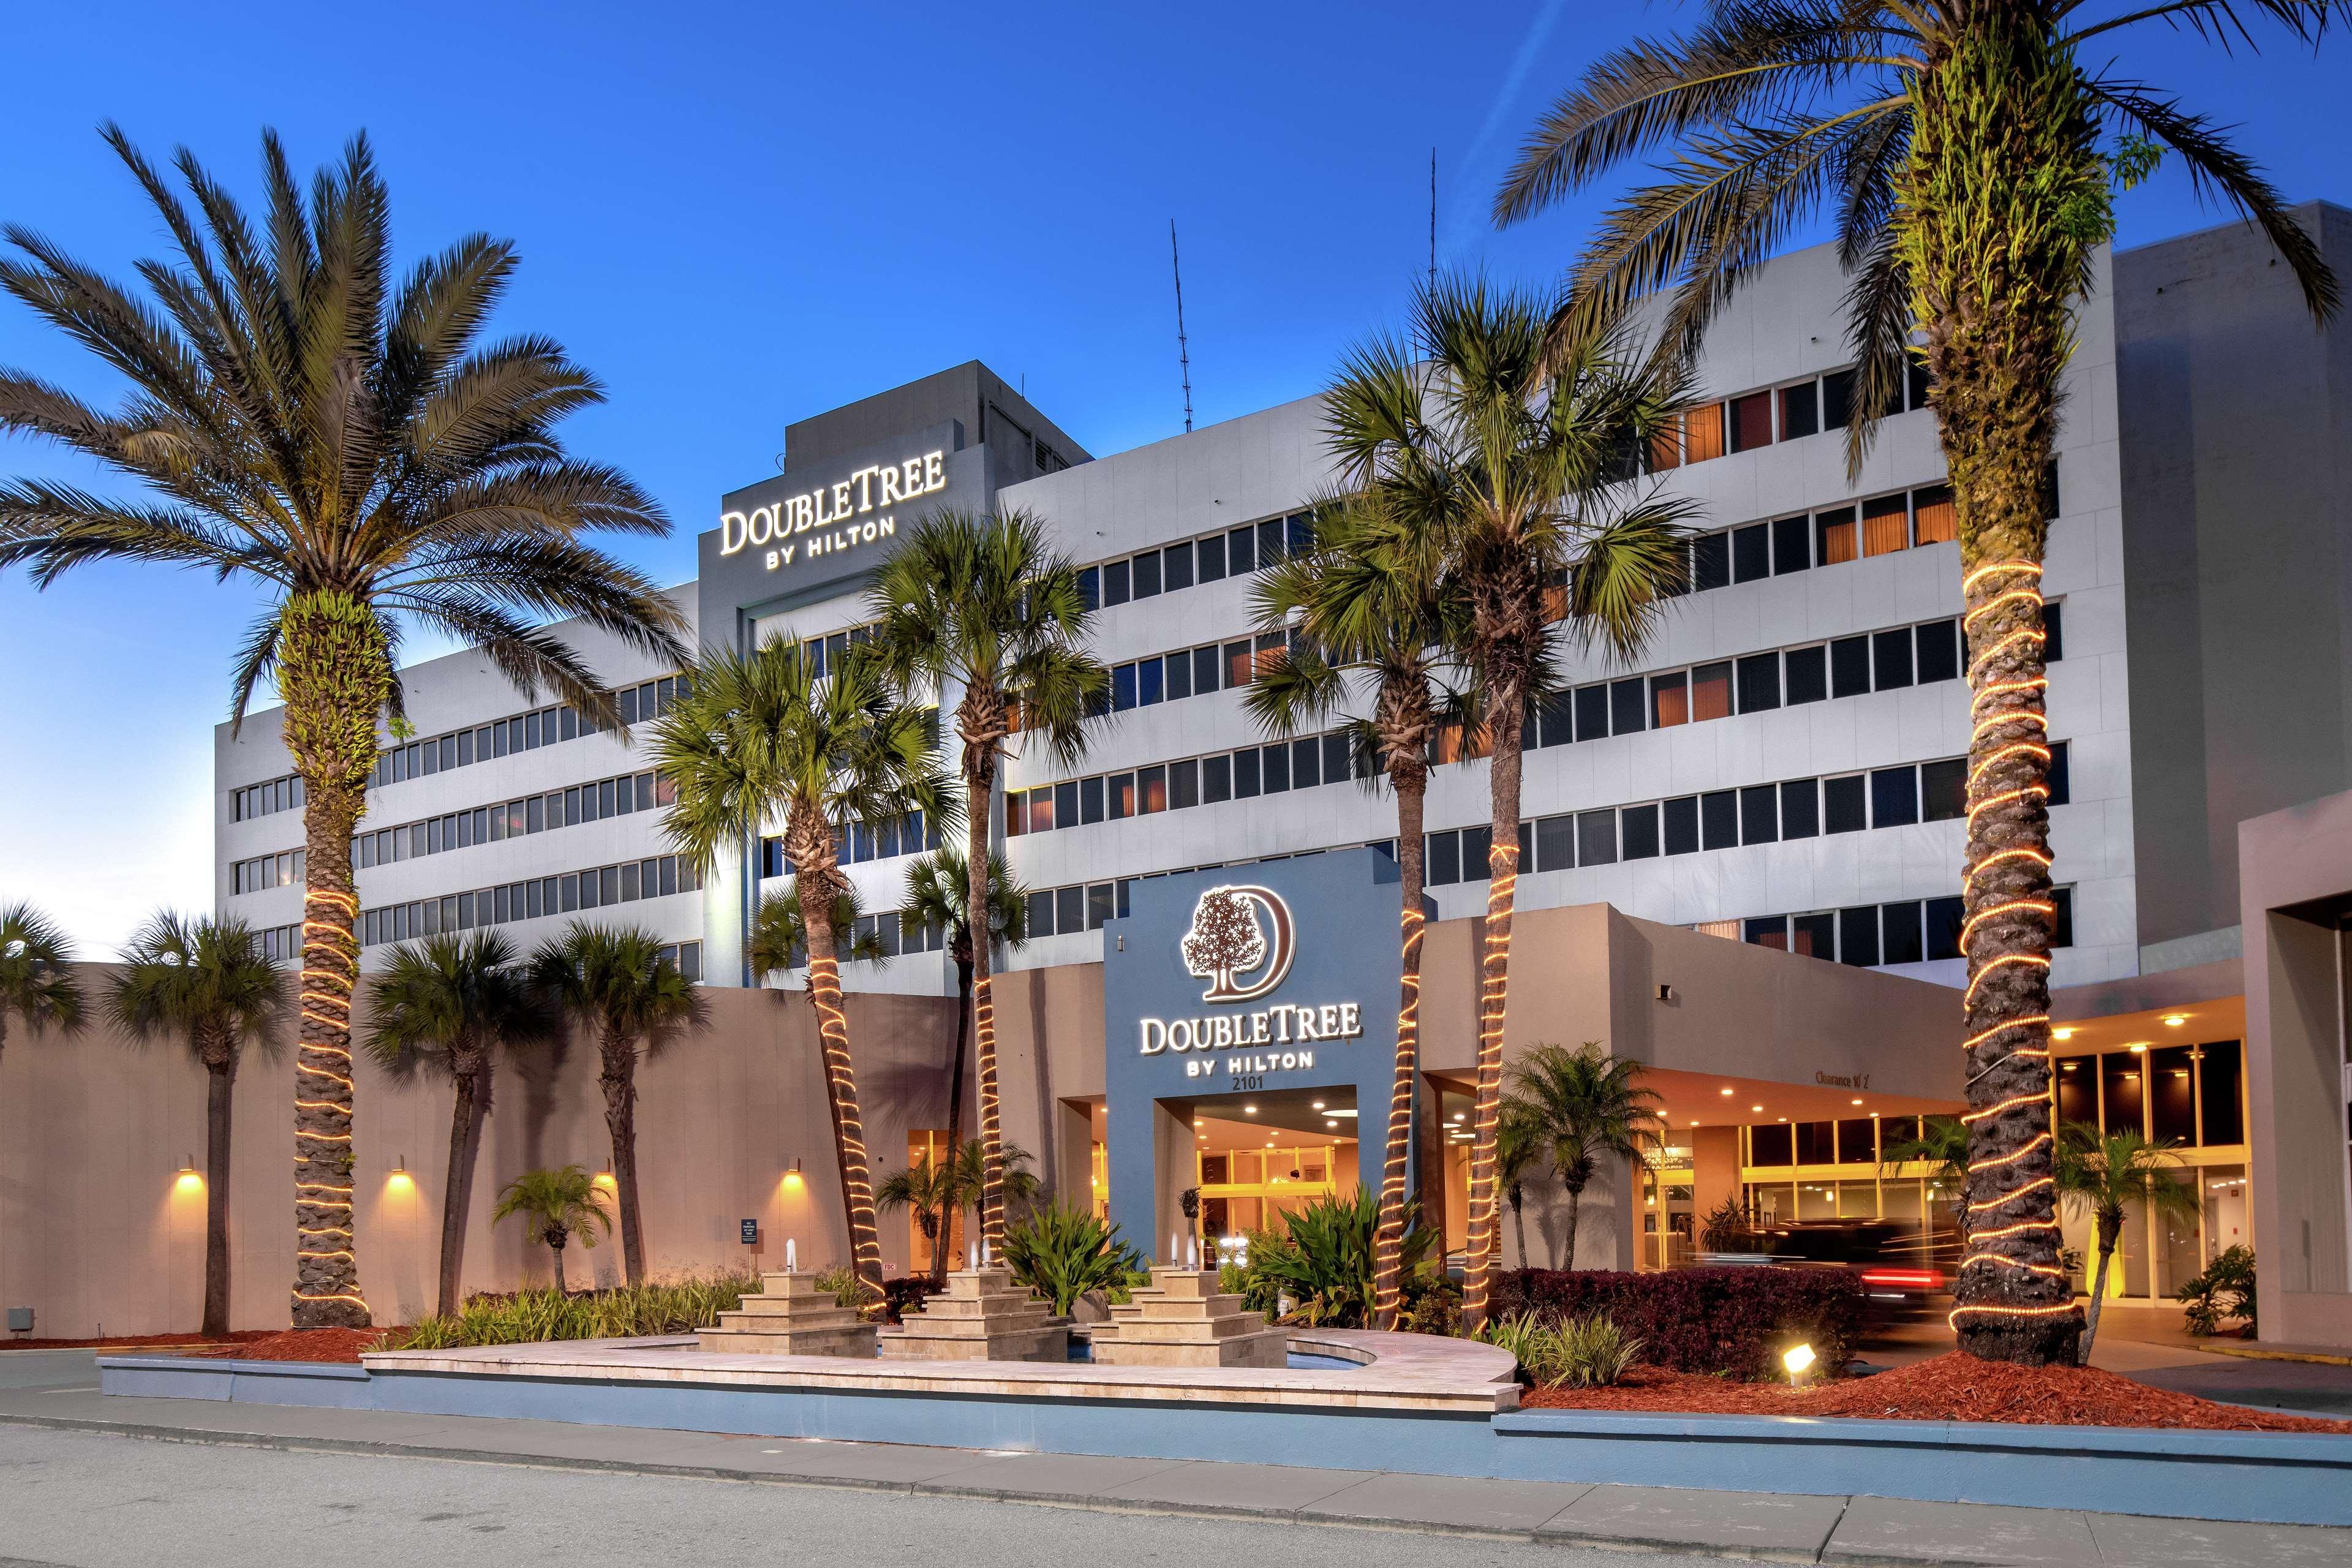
(455, 1001)
(933, 1193)
(938, 886)
(2101, 1173)
(778, 942)
(1363, 597)
(36, 977)
(618, 981)
(985, 605)
(555, 1204)
(1519, 1145)
(1503, 462)
(1582, 1106)
(208, 982)
(1020, 1184)
(301, 417)
(1942, 1144)
(1959, 148)
(765, 732)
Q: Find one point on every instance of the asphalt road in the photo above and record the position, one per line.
(73, 1499)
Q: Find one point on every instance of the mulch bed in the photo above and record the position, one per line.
(136, 1341)
(1950, 1387)
(341, 1345)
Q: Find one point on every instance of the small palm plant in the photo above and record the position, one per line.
(620, 983)
(937, 889)
(1018, 1186)
(1505, 456)
(931, 1192)
(1372, 629)
(209, 983)
(1518, 1149)
(2101, 1174)
(1942, 1145)
(767, 732)
(298, 415)
(1062, 1253)
(778, 942)
(985, 603)
(1582, 1107)
(36, 977)
(455, 1002)
(556, 1206)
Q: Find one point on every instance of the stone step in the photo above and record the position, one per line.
(781, 1323)
(855, 1341)
(1231, 1325)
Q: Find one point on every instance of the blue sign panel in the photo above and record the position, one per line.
(1249, 978)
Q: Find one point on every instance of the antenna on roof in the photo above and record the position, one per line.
(1432, 220)
(1183, 350)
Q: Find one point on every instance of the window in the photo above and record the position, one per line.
(1151, 685)
(1596, 838)
(1273, 770)
(1305, 763)
(1800, 412)
(1269, 543)
(1183, 784)
(1041, 814)
(1238, 665)
(1759, 682)
(1759, 817)
(1900, 939)
(1180, 675)
(1090, 799)
(1122, 796)
(1893, 797)
(1669, 701)
(1858, 936)
(1849, 667)
(1640, 832)
(1556, 713)
(1090, 587)
(1336, 763)
(1892, 655)
(2054, 631)
(1711, 562)
(1555, 844)
(1885, 525)
(1122, 689)
(1478, 853)
(1064, 809)
(1069, 910)
(1176, 566)
(1792, 545)
(1703, 434)
(1799, 809)
(1591, 712)
(1837, 400)
(1752, 553)
(1204, 669)
(1944, 918)
(1751, 421)
(1216, 779)
(1680, 818)
(1245, 776)
(1767, 930)
(1041, 913)
(1813, 936)
(1100, 898)
(1939, 651)
(1625, 706)
(1719, 816)
(1833, 531)
(1444, 856)
(1117, 582)
(1915, 382)
(1841, 805)
(1944, 790)
(1211, 554)
(1934, 519)
(1711, 691)
(1241, 551)
(1147, 576)
(1807, 675)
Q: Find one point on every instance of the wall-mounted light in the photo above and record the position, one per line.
(189, 1179)
(604, 1179)
(793, 1180)
(400, 1176)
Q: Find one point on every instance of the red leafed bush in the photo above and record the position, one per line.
(1730, 1320)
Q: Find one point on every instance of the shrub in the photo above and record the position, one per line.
(1062, 1253)
(1734, 1320)
(531, 1317)
(841, 1283)
(899, 1296)
(1323, 1259)
(2226, 1289)
(1432, 1304)
(1590, 1351)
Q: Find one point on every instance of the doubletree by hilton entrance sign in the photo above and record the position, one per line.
(1250, 980)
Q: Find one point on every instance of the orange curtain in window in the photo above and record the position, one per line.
(1885, 526)
(1016, 814)
(1667, 446)
(1711, 691)
(1669, 701)
(1041, 810)
(1934, 519)
(1837, 536)
(1703, 434)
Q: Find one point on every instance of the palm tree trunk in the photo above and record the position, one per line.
(555, 1251)
(1993, 277)
(1506, 699)
(980, 787)
(1410, 779)
(221, 1077)
(2098, 1294)
(948, 1201)
(817, 886)
(334, 674)
(457, 1191)
(619, 1080)
(1575, 1210)
(1519, 1224)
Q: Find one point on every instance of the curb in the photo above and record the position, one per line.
(2256, 1352)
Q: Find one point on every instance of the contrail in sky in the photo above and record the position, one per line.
(1505, 98)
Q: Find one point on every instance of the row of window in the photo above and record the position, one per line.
(859, 842)
(1908, 931)
(522, 732)
(591, 802)
(1829, 536)
(1301, 764)
(265, 799)
(591, 890)
(280, 870)
(1192, 672)
(1210, 558)
(2186, 1092)
(280, 944)
(1788, 413)
(1725, 819)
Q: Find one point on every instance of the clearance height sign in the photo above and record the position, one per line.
(1245, 980)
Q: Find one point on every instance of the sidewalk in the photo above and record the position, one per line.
(60, 1392)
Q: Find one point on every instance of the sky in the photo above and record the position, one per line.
(738, 216)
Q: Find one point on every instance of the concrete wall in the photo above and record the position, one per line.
(93, 1229)
(2295, 891)
(2234, 478)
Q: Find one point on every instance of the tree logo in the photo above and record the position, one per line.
(1227, 941)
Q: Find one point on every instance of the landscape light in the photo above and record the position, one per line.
(1796, 1359)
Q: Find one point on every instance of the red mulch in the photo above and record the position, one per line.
(303, 1344)
(1950, 1387)
(135, 1341)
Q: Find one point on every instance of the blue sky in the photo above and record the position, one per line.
(741, 215)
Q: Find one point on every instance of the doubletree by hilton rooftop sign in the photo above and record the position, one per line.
(832, 518)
